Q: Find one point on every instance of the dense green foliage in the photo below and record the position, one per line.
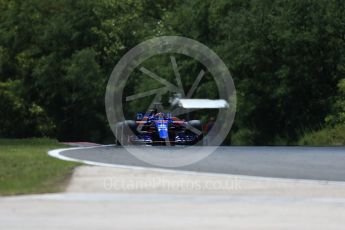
(25, 167)
(286, 57)
(325, 137)
(334, 132)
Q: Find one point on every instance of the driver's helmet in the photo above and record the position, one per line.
(153, 112)
(160, 115)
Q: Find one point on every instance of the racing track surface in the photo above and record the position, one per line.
(316, 163)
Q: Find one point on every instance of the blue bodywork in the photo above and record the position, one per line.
(160, 128)
(161, 121)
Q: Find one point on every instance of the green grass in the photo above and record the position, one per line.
(334, 136)
(26, 168)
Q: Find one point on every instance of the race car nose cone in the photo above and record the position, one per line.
(162, 129)
(163, 133)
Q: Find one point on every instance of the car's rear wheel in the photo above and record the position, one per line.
(197, 124)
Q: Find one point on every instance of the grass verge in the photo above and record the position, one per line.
(330, 136)
(26, 168)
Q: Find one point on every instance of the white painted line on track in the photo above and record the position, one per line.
(57, 154)
(172, 197)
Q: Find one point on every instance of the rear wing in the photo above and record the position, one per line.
(202, 104)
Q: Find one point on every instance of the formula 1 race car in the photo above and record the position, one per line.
(158, 128)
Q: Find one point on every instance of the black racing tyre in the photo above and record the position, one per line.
(132, 125)
(196, 124)
(124, 130)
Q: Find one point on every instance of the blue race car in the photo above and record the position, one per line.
(158, 128)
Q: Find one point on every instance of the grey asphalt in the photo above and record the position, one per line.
(315, 163)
